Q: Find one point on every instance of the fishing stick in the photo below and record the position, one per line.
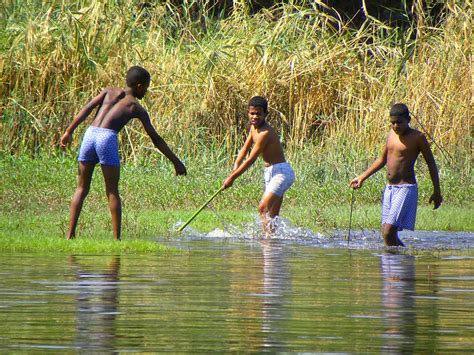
(350, 218)
(200, 209)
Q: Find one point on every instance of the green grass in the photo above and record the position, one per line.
(21, 231)
(35, 196)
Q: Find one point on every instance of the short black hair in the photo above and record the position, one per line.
(137, 75)
(400, 110)
(259, 101)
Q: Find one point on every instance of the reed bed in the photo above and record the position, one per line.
(329, 85)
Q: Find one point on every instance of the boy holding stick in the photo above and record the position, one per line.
(278, 174)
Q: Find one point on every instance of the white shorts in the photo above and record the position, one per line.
(399, 203)
(278, 178)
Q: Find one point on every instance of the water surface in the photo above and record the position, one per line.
(237, 294)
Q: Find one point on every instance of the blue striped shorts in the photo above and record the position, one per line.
(100, 145)
(278, 178)
(399, 203)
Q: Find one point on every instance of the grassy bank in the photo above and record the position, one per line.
(35, 196)
(329, 84)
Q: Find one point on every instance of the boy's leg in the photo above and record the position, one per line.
(269, 207)
(275, 208)
(390, 235)
(111, 178)
(83, 185)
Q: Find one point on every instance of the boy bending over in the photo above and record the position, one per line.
(400, 198)
(116, 107)
(278, 174)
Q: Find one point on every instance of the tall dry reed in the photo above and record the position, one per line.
(328, 84)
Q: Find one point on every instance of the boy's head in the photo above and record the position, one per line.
(399, 118)
(138, 79)
(257, 110)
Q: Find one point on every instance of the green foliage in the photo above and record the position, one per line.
(21, 232)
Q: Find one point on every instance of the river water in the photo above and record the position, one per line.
(237, 294)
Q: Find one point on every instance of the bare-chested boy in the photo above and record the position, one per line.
(400, 198)
(100, 144)
(278, 174)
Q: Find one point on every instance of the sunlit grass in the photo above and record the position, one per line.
(45, 232)
(29, 243)
(328, 83)
(35, 196)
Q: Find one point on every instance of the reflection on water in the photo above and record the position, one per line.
(226, 295)
(276, 287)
(96, 304)
(398, 291)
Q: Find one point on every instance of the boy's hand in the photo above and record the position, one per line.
(228, 182)
(66, 139)
(179, 168)
(356, 183)
(436, 198)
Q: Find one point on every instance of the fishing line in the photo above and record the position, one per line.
(350, 218)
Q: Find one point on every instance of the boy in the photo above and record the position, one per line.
(116, 107)
(400, 197)
(278, 174)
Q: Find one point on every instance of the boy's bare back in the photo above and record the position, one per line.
(116, 109)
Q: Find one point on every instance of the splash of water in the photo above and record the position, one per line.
(369, 239)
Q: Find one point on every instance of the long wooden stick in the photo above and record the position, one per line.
(200, 209)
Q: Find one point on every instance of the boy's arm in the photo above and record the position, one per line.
(425, 149)
(378, 164)
(243, 152)
(253, 155)
(159, 143)
(81, 116)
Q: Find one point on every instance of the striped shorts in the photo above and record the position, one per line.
(399, 203)
(278, 178)
(100, 145)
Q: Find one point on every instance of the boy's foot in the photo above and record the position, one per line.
(394, 242)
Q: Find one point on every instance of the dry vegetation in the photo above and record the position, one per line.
(328, 84)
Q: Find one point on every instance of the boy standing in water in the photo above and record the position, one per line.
(116, 107)
(278, 174)
(400, 197)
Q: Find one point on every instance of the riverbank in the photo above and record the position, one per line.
(35, 196)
